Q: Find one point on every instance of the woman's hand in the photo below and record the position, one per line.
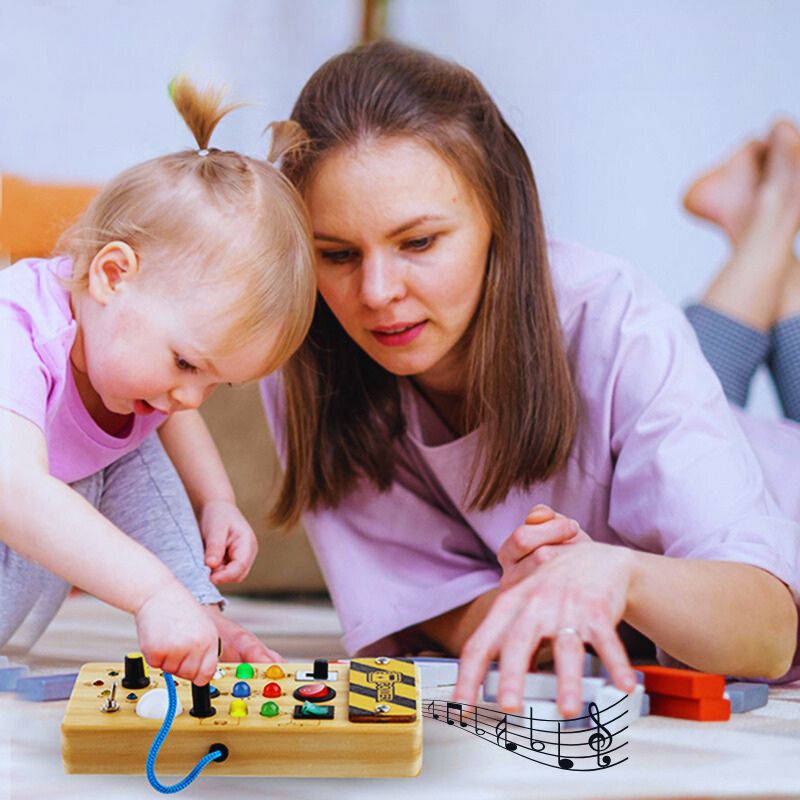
(230, 542)
(239, 644)
(578, 596)
(539, 539)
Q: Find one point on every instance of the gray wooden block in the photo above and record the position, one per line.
(746, 696)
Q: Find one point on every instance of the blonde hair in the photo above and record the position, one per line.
(235, 220)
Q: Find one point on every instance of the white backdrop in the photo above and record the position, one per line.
(619, 103)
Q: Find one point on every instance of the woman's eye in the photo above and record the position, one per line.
(182, 364)
(338, 256)
(420, 243)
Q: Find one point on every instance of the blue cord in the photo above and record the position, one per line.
(159, 740)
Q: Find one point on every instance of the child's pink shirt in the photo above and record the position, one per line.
(37, 331)
(660, 463)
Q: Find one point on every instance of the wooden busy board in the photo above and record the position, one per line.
(383, 743)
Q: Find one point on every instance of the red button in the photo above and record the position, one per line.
(272, 690)
(313, 691)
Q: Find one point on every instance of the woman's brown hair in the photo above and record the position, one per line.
(343, 409)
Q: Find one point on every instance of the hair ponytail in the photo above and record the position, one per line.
(288, 140)
(201, 109)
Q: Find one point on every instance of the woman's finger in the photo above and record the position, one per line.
(612, 653)
(483, 645)
(568, 652)
(527, 538)
(519, 647)
(540, 513)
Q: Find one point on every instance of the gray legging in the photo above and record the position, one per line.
(735, 350)
(141, 494)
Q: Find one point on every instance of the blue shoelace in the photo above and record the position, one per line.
(159, 740)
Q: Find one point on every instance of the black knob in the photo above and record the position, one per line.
(320, 669)
(201, 701)
(135, 675)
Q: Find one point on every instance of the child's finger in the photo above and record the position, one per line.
(243, 549)
(215, 548)
(228, 573)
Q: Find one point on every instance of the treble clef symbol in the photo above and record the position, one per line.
(601, 739)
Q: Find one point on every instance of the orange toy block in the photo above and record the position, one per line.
(701, 709)
(682, 682)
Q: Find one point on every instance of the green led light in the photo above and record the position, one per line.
(245, 671)
(270, 709)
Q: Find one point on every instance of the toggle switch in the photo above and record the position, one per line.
(321, 669)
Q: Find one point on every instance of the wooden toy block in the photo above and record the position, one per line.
(682, 682)
(746, 696)
(607, 696)
(437, 671)
(701, 709)
(540, 686)
(46, 687)
(276, 722)
(10, 675)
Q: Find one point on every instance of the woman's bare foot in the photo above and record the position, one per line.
(751, 286)
(778, 196)
(726, 194)
(789, 304)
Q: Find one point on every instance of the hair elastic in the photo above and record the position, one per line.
(203, 152)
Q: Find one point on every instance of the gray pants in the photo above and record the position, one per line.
(141, 494)
(736, 350)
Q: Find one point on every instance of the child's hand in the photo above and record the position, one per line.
(230, 543)
(541, 538)
(176, 635)
(239, 644)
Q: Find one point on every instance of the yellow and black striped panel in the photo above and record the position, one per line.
(388, 683)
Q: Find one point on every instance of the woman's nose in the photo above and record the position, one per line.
(382, 280)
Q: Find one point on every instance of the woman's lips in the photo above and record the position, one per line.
(398, 335)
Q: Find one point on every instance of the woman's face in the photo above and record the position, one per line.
(401, 243)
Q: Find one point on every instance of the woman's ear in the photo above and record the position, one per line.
(113, 264)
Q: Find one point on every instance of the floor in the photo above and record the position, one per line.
(753, 755)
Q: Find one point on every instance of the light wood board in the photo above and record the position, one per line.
(97, 742)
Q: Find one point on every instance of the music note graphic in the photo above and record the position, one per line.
(501, 729)
(536, 745)
(583, 754)
(601, 739)
(564, 763)
(457, 707)
(479, 731)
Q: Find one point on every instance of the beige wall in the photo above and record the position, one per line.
(285, 561)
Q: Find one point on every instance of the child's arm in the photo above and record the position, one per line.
(230, 543)
(48, 523)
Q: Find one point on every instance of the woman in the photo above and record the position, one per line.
(463, 376)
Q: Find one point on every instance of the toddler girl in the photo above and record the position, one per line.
(187, 271)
